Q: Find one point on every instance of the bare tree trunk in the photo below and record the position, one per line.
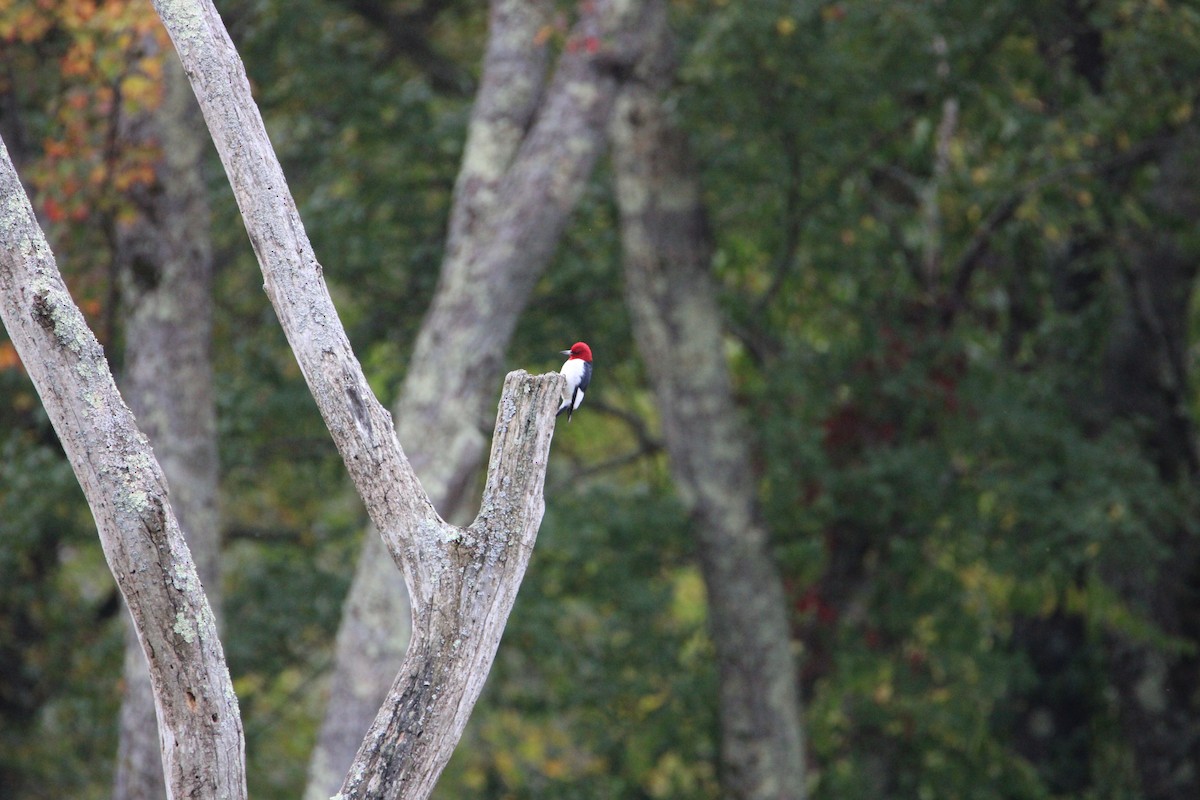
(166, 269)
(139, 773)
(198, 716)
(676, 324)
(519, 182)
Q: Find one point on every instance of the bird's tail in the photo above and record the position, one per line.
(565, 407)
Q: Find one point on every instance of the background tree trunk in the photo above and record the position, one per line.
(373, 636)
(1147, 381)
(165, 267)
(516, 189)
(676, 324)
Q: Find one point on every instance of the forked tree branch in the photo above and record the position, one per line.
(462, 582)
(473, 580)
(534, 136)
(468, 577)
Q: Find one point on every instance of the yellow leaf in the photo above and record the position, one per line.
(650, 703)
(140, 91)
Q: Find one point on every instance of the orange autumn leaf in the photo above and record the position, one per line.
(56, 149)
(26, 25)
(8, 357)
(79, 59)
(54, 210)
(138, 174)
(151, 67)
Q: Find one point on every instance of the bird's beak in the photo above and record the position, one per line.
(565, 352)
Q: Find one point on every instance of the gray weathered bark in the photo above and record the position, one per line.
(461, 582)
(166, 267)
(461, 600)
(125, 487)
(518, 183)
(676, 324)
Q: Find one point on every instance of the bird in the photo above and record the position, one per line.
(578, 372)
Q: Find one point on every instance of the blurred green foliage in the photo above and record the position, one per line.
(60, 646)
(926, 217)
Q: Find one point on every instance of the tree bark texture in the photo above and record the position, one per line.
(461, 582)
(165, 265)
(676, 323)
(200, 726)
(472, 584)
(529, 152)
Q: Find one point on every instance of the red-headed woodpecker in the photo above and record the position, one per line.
(578, 371)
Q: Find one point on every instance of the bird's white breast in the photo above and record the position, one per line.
(573, 370)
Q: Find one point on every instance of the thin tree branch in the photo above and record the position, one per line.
(646, 440)
(599, 468)
(361, 427)
(977, 246)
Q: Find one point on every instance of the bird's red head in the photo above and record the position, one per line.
(579, 350)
